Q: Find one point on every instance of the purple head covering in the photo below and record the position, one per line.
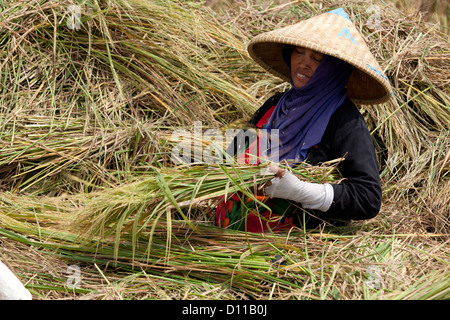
(302, 114)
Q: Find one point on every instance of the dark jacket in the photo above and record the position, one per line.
(358, 197)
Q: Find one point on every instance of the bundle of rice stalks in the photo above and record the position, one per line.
(211, 262)
(122, 59)
(131, 208)
(51, 155)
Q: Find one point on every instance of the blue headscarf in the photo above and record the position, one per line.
(302, 114)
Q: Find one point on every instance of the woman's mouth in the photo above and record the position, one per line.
(302, 76)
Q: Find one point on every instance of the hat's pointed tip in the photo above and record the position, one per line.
(340, 12)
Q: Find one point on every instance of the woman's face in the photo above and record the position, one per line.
(304, 63)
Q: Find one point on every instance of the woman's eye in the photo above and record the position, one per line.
(318, 58)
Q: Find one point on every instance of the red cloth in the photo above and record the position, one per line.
(252, 154)
(230, 214)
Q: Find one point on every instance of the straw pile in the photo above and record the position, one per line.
(87, 183)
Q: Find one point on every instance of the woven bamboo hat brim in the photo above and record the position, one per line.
(333, 34)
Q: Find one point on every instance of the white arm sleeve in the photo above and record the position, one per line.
(311, 195)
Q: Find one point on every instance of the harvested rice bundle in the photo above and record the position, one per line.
(132, 207)
(242, 264)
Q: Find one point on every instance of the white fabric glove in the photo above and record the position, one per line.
(311, 195)
(10, 287)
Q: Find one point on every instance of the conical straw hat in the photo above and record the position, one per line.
(331, 33)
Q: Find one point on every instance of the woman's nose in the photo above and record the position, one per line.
(306, 61)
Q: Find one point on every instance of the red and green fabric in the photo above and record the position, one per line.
(240, 212)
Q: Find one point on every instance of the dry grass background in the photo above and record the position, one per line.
(85, 120)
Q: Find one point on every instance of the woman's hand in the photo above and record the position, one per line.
(259, 189)
(276, 170)
(286, 185)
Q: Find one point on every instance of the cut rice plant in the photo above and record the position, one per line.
(132, 208)
(260, 266)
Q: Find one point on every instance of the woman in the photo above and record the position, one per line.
(328, 65)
